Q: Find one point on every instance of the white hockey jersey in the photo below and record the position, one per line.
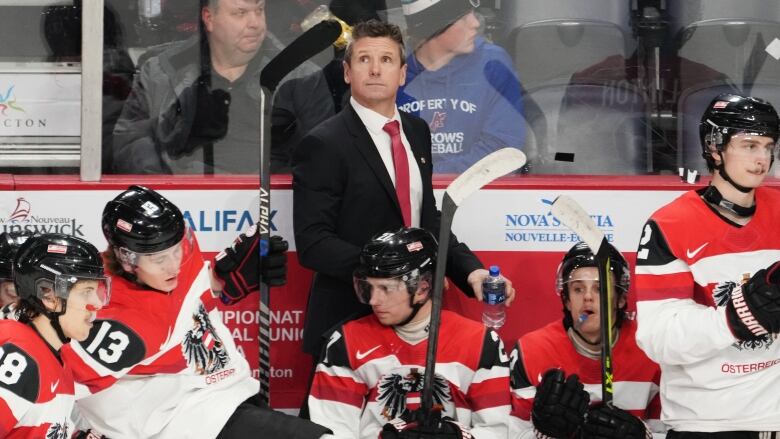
(689, 260)
(161, 365)
(370, 375)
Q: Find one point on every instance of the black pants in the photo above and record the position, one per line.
(723, 435)
(250, 420)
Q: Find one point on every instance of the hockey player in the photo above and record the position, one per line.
(9, 244)
(372, 369)
(707, 289)
(61, 286)
(159, 361)
(547, 404)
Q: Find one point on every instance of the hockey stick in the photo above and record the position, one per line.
(491, 167)
(573, 216)
(312, 42)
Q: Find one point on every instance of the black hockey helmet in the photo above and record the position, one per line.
(399, 252)
(428, 18)
(9, 244)
(729, 114)
(580, 255)
(140, 220)
(56, 261)
(406, 254)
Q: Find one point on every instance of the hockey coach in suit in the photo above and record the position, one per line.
(365, 170)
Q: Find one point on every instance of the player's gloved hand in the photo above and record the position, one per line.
(417, 425)
(754, 308)
(559, 405)
(237, 266)
(609, 422)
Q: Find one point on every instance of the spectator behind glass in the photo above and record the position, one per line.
(195, 107)
(462, 85)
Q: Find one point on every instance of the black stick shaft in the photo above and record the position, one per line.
(264, 330)
(316, 39)
(448, 209)
(605, 321)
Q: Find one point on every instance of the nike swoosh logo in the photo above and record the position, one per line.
(692, 254)
(361, 355)
(54, 385)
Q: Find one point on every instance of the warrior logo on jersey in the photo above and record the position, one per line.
(202, 346)
(721, 295)
(57, 431)
(394, 390)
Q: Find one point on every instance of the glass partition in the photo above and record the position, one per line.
(582, 86)
(40, 87)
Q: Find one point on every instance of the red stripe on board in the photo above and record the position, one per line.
(284, 181)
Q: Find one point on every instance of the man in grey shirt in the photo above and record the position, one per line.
(195, 106)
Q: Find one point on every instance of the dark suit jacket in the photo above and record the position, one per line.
(342, 196)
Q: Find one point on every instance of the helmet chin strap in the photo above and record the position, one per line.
(713, 196)
(415, 309)
(54, 318)
(722, 169)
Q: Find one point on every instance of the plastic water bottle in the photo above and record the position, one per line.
(493, 296)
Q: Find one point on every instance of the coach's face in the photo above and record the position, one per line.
(375, 72)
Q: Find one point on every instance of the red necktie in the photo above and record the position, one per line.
(401, 165)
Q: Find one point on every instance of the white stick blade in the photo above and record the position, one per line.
(492, 166)
(573, 216)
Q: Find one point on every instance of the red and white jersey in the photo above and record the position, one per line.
(160, 365)
(369, 376)
(688, 261)
(36, 391)
(635, 384)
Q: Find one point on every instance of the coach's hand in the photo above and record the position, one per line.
(479, 275)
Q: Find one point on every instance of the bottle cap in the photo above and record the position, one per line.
(494, 270)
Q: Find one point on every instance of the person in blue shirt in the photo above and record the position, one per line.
(463, 86)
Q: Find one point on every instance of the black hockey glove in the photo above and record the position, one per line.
(237, 265)
(609, 422)
(415, 425)
(559, 405)
(89, 434)
(754, 308)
